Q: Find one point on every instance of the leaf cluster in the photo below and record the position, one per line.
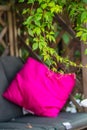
(39, 23)
(78, 14)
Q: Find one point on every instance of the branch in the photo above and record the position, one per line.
(32, 54)
(64, 25)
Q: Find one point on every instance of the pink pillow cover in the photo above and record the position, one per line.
(38, 89)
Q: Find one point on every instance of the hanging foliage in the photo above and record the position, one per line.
(39, 22)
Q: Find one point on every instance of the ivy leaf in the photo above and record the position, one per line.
(48, 61)
(46, 57)
(43, 6)
(38, 16)
(41, 45)
(84, 37)
(30, 32)
(51, 4)
(84, 17)
(37, 22)
(56, 9)
(79, 34)
(28, 20)
(39, 10)
(25, 11)
(35, 46)
(46, 17)
(37, 31)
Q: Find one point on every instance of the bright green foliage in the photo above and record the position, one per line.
(82, 33)
(78, 14)
(40, 26)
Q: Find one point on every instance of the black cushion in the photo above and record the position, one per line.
(9, 66)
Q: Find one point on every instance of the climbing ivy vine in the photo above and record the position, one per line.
(78, 14)
(39, 22)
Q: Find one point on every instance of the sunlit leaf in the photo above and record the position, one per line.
(35, 46)
(84, 16)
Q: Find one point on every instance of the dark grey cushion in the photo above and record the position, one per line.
(9, 66)
(20, 126)
(64, 121)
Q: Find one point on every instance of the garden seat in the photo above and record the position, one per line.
(64, 121)
(12, 118)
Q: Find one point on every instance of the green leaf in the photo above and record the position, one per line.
(46, 17)
(85, 52)
(30, 32)
(84, 16)
(51, 4)
(25, 11)
(21, 0)
(46, 57)
(37, 31)
(60, 59)
(40, 1)
(79, 34)
(39, 10)
(48, 61)
(84, 37)
(41, 45)
(31, 1)
(36, 39)
(66, 38)
(56, 9)
(85, 1)
(49, 37)
(37, 16)
(43, 6)
(35, 46)
(28, 20)
(51, 51)
(37, 22)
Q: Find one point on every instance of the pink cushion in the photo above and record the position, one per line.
(40, 90)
